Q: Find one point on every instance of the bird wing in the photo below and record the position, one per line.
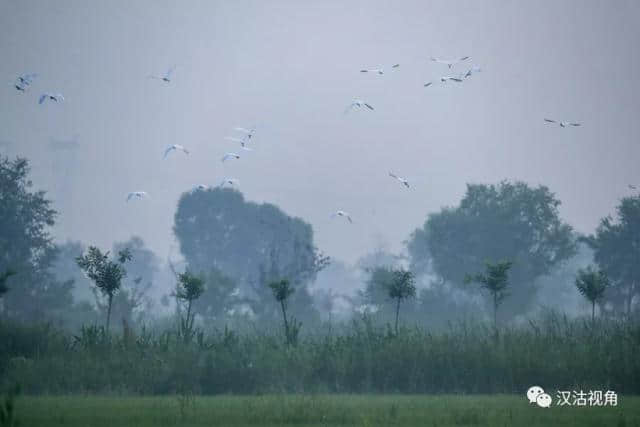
(42, 98)
(349, 218)
(392, 175)
(364, 71)
(550, 121)
(168, 150)
(395, 65)
(428, 84)
(368, 106)
(575, 124)
(464, 58)
(169, 72)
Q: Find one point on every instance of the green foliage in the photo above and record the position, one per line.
(26, 245)
(504, 221)
(496, 281)
(105, 273)
(250, 243)
(592, 285)
(190, 288)
(282, 290)
(401, 287)
(616, 245)
(303, 410)
(359, 358)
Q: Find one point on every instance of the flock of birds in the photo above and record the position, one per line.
(245, 136)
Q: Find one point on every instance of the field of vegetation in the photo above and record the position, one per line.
(359, 358)
(317, 410)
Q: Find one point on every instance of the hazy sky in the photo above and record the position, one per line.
(292, 67)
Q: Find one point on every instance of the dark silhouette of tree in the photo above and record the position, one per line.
(495, 280)
(26, 245)
(592, 285)
(616, 245)
(190, 288)
(251, 243)
(282, 290)
(505, 221)
(401, 287)
(106, 274)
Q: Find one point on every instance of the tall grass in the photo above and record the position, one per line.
(554, 352)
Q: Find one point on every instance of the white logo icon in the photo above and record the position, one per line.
(533, 393)
(543, 400)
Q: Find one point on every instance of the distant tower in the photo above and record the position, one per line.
(63, 155)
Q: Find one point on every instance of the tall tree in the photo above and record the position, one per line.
(282, 291)
(190, 288)
(105, 273)
(248, 242)
(26, 245)
(616, 245)
(592, 284)
(495, 280)
(504, 221)
(401, 287)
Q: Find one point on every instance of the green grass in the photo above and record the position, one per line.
(316, 410)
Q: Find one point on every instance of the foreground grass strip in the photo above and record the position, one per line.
(316, 410)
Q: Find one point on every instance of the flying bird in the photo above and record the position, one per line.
(449, 63)
(242, 142)
(342, 214)
(137, 195)
(444, 79)
(228, 156)
(356, 104)
(230, 181)
(562, 124)
(24, 81)
(56, 97)
(166, 77)
(174, 147)
(400, 179)
(378, 71)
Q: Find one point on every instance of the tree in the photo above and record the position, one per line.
(592, 285)
(282, 290)
(26, 245)
(496, 281)
(251, 243)
(616, 246)
(106, 274)
(218, 296)
(401, 287)
(504, 221)
(190, 288)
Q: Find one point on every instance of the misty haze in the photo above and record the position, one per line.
(319, 213)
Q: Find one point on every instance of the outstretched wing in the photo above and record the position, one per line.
(550, 121)
(368, 106)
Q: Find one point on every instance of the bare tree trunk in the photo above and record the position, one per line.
(495, 311)
(397, 315)
(109, 311)
(286, 322)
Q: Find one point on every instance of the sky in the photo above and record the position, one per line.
(291, 68)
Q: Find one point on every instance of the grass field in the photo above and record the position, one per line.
(316, 410)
